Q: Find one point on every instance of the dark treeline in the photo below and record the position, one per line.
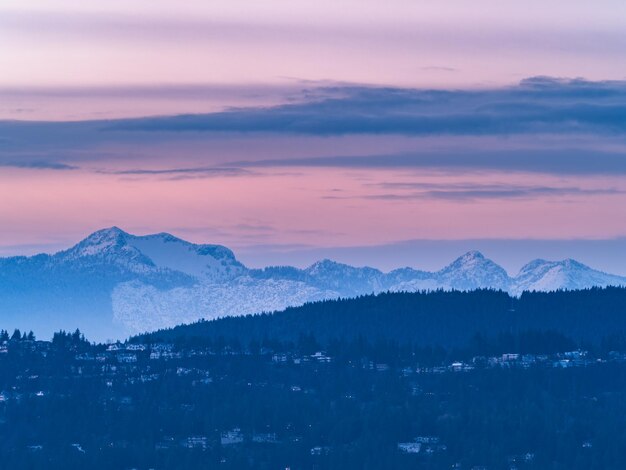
(484, 320)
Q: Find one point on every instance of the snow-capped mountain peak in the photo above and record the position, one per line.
(542, 275)
(325, 266)
(343, 278)
(469, 260)
(157, 252)
(472, 271)
(101, 241)
(472, 255)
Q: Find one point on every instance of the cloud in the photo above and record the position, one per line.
(503, 125)
(474, 191)
(436, 68)
(255, 227)
(39, 165)
(536, 105)
(552, 161)
(180, 173)
(199, 91)
(478, 192)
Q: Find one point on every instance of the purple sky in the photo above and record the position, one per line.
(401, 42)
(348, 129)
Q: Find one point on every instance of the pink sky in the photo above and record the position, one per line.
(225, 42)
(316, 207)
(64, 60)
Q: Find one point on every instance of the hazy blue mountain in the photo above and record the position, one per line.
(113, 283)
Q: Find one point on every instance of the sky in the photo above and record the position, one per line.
(384, 135)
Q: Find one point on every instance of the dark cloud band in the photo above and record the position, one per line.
(537, 105)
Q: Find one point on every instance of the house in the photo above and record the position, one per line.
(195, 442)
(279, 358)
(165, 444)
(205, 381)
(162, 347)
(234, 436)
(456, 366)
(78, 447)
(126, 358)
(265, 438)
(84, 357)
(510, 357)
(319, 450)
(563, 363)
(409, 447)
(575, 354)
(523, 458)
(170, 355)
(528, 360)
(148, 377)
(321, 356)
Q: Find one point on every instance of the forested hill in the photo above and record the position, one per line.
(445, 319)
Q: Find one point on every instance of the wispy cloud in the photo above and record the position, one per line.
(439, 68)
(552, 161)
(474, 191)
(180, 173)
(39, 165)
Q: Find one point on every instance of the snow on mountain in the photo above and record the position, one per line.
(473, 271)
(140, 307)
(542, 275)
(154, 253)
(100, 243)
(113, 283)
(343, 278)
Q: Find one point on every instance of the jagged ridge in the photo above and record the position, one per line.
(121, 283)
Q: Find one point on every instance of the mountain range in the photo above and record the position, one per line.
(113, 284)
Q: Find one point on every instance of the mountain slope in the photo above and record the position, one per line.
(449, 319)
(112, 283)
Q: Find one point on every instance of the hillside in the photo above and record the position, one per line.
(443, 319)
